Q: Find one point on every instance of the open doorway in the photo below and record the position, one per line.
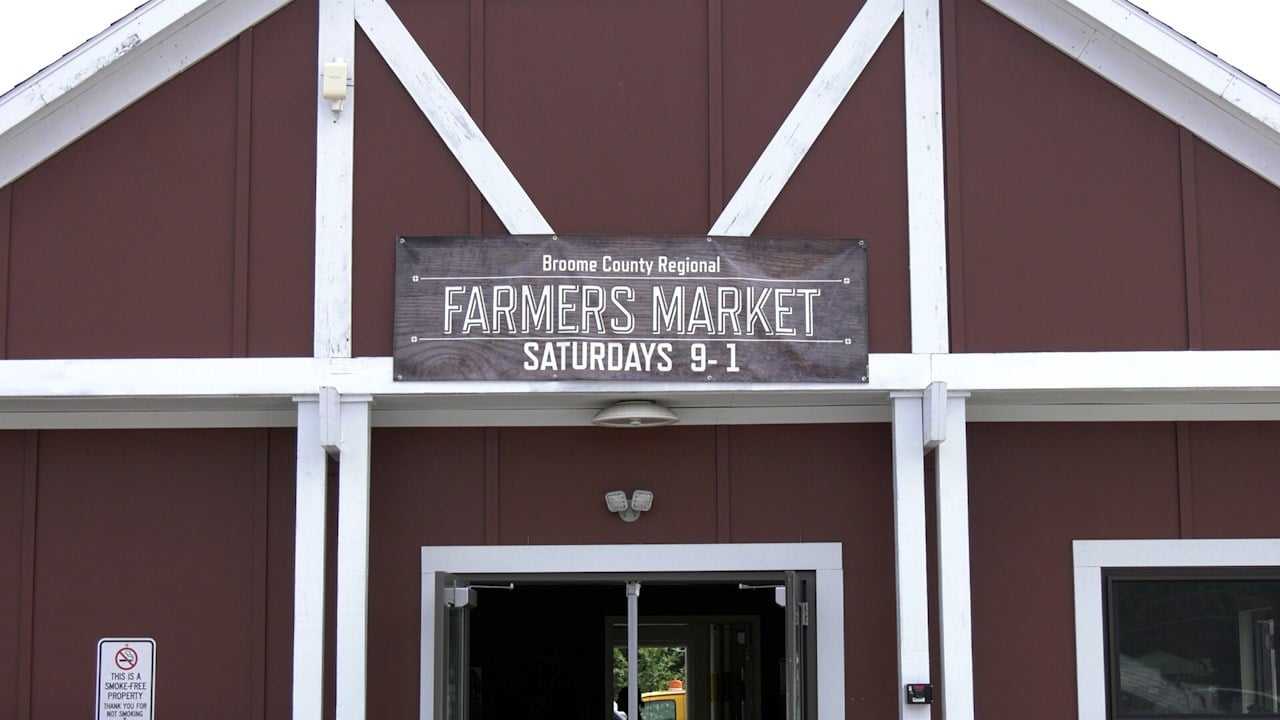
(702, 667)
(503, 641)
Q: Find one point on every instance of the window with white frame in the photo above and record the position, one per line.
(1177, 628)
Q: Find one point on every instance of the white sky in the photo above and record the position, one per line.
(34, 33)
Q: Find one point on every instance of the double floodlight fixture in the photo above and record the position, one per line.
(628, 510)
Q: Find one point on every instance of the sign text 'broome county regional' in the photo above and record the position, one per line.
(665, 309)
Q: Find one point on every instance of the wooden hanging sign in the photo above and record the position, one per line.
(651, 309)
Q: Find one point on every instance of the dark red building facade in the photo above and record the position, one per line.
(1072, 400)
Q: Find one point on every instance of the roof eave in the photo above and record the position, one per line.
(1165, 70)
(111, 71)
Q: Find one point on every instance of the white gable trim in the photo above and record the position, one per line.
(112, 71)
(1164, 70)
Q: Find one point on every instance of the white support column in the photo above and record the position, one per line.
(353, 559)
(308, 574)
(926, 189)
(955, 607)
(911, 575)
(335, 133)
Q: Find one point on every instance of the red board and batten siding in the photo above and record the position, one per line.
(1080, 219)
(546, 486)
(184, 536)
(1033, 488)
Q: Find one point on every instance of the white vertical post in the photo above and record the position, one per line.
(911, 576)
(308, 574)
(926, 189)
(335, 133)
(955, 607)
(353, 559)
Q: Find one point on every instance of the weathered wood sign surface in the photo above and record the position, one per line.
(668, 309)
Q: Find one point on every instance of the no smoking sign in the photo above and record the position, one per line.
(126, 679)
(126, 658)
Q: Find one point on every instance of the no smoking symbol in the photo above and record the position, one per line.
(126, 658)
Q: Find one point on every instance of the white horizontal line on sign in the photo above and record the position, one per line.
(633, 276)
(616, 338)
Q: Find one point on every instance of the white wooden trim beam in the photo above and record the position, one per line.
(450, 119)
(1056, 377)
(335, 160)
(454, 411)
(1164, 70)
(113, 70)
(911, 570)
(244, 378)
(1084, 371)
(926, 184)
(955, 607)
(308, 583)
(808, 118)
(1243, 411)
(351, 645)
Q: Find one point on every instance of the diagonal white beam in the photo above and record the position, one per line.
(450, 119)
(808, 118)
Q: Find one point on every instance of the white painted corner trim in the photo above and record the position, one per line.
(1091, 557)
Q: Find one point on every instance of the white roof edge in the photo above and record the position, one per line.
(111, 71)
(97, 56)
(1164, 70)
(1218, 78)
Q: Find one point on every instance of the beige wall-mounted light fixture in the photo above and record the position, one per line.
(635, 414)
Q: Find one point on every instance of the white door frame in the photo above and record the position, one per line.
(824, 559)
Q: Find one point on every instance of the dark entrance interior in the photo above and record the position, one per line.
(543, 650)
